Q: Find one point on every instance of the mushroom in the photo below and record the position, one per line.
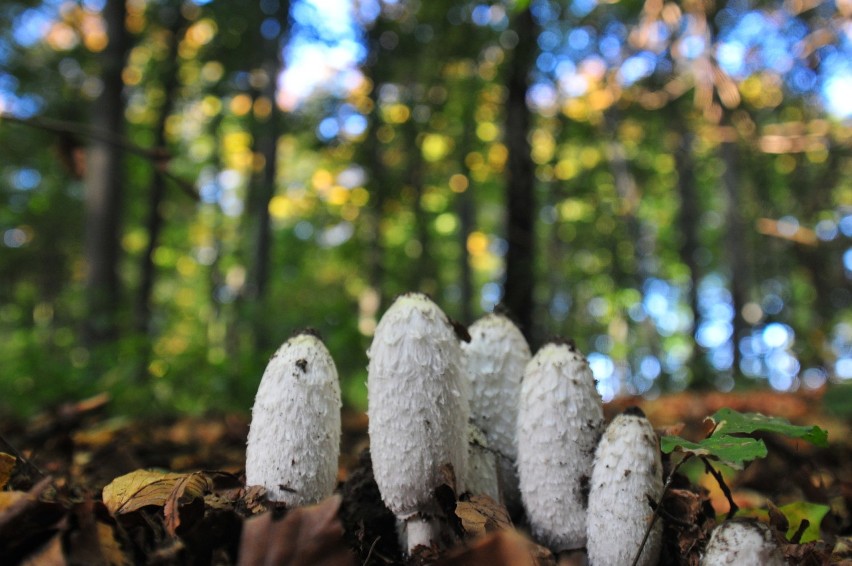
(560, 420)
(482, 477)
(294, 438)
(626, 474)
(495, 359)
(418, 412)
(742, 541)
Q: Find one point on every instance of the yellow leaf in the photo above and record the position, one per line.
(7, 464)
(141, 488)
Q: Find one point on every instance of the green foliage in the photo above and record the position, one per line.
(724, 443)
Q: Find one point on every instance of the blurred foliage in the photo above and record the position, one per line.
(692, 174)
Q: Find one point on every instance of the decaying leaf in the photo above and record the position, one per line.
(501, 548)
(7, 464)
(141, 488)
(306, 536)
(481, 515)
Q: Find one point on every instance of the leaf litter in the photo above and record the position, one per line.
(79, 487)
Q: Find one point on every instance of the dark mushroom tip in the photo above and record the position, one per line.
(634, 412)
(460, 330)
(561, 341)
(310, 331)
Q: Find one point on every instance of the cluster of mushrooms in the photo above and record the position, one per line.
(528, 431)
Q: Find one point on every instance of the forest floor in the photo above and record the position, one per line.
(175, 494)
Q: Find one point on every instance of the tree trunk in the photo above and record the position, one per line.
(465, 203)
(520, 197)
(156, 192)
(736, 243)
(268, 131)
(103, 182)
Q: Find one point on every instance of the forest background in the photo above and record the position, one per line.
(184, 184)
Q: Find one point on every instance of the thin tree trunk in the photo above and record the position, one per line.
(157, 190)
(103, 181)
(465, 203)
(736, 243)
(269, 131)
(520, 197)
(689, 222)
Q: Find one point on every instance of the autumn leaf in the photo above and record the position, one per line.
(142, 488)
(482, 515)
(7, 464)
(306, 536)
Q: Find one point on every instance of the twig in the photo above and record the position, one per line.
(370, 552)
(658, 508)
(158, 156)
(725, 489)
(14, 452)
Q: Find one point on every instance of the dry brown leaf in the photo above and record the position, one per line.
(7, 464)
(141, 488)
(307, 536)
(502, 548)
(50, 554)
(481, 515)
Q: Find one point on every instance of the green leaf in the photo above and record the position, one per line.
(520, 5)
(813, 512)
(734, 451)
(729, 422)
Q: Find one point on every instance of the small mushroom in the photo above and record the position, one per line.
(482, 476)
(560, 420)
(495, 359)
(418, 412)
(742, 541)
(294, 438)
(627, 473)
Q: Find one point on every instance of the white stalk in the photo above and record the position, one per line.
(559, 423)
(495, 359)
(294, 438)
(418, 411)
(482, 472)
(627, 473)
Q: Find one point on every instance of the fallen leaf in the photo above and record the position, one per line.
(192, 486)
(307, 536)
(798, 511)
(501, 548)
(481, 515)
(142, 488)
(50, 554)
(7, 464)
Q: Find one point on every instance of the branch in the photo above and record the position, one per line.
(158, 156)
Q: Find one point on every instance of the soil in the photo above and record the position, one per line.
(175, 494)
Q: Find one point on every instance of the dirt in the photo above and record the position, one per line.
(192, 506)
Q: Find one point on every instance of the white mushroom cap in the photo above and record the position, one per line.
(294, 439)
(742, 543)
(627, 472)
(482, 476)
(417, 407)
(495, 359)
(559, 422)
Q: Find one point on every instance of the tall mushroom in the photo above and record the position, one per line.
(418, 411)
(495, 359)
(627, 473)
(560, 419)
(294, 438)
